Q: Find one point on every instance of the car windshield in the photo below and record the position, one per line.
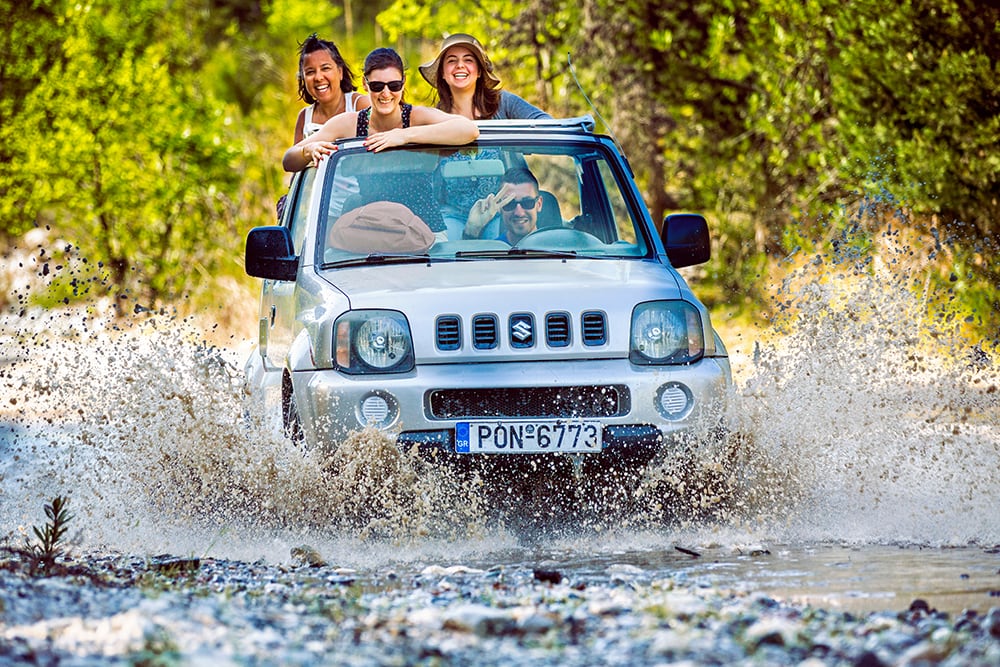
(509, 200)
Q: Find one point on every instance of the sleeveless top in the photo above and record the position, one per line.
(309, 127)
(365, 115)
(413, 190)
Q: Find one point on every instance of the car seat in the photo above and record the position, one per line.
(550, 215)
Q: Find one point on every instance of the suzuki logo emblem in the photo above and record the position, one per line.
(521, 330)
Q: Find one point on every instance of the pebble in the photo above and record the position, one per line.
(778, 631)
(215, 612)
(992, 622)
(441, 571)
(548, 576)
(480, 620)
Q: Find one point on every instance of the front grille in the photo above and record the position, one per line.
(449, 332)
(541, 402)
(484, 332)
(595, 328)
(557, 329)
(521, 332)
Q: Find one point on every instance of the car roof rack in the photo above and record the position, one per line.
(576, 124)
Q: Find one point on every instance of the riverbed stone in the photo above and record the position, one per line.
(480, 620)
(234, 613)
(779, 631)
(992, 622)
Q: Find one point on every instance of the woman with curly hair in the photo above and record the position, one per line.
(326, 84)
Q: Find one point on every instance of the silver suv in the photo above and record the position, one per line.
(559, 327)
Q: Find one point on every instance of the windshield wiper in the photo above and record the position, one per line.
(379, 258)
(518, 252)
(535, 252)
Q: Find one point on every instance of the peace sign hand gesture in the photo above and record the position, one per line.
(485, 210)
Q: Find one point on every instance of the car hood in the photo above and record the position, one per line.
(501, 285)
(425, 291)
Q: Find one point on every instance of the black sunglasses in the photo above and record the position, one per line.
(527, 203)
(377, 86)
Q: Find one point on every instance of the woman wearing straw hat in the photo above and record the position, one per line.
(463, 76)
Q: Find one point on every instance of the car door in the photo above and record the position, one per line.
(277, 313)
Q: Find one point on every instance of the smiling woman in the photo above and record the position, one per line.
(326, 84)
(388, 122)
(462, 74)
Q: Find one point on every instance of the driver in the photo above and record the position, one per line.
(517, 202)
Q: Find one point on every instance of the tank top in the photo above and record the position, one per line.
(309, 127)
(414, 190)
(365, 115)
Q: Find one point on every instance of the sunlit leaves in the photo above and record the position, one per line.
(125, 155)
(147, 129)
(298, 17)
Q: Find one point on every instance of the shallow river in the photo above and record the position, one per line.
(864, 478)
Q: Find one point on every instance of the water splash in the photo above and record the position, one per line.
(878, 414)
(858, 418)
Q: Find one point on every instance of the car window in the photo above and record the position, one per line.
(417, 201)
(622, 222)
(298, 201)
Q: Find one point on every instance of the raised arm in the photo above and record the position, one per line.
(315, 147)
(513, 106)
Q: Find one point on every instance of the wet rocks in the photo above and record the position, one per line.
(229, 612)
(171, 566)
(548, 576)
(992, 622)
(480, 620)
(306, 555)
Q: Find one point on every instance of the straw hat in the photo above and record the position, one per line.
(429, 70)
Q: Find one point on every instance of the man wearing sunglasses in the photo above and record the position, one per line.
(517, 202)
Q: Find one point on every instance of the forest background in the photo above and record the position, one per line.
(140, 139)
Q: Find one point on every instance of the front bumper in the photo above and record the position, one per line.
(332, 404)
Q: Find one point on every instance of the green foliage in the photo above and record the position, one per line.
(126, 157)
(147, 135)
(29, 47)
(49, 545)
(918, 86)
(294, 17)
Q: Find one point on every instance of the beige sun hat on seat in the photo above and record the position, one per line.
(429, 70)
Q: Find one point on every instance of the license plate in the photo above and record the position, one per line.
(528, 437)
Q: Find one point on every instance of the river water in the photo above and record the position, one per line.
(864, 474)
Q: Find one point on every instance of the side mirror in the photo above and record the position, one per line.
(685, 237)
(269, 254)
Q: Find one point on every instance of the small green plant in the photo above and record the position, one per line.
(49, 546)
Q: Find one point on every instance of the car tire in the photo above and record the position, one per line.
(290, 420)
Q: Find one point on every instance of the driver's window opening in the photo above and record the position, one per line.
(624, 224)
(556, 174)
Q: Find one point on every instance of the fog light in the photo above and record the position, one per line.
(674, 400)
(378, 410)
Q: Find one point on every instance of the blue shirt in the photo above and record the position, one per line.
(512, 106)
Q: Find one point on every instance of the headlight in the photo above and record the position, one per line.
(666, 332)
(373, 341)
